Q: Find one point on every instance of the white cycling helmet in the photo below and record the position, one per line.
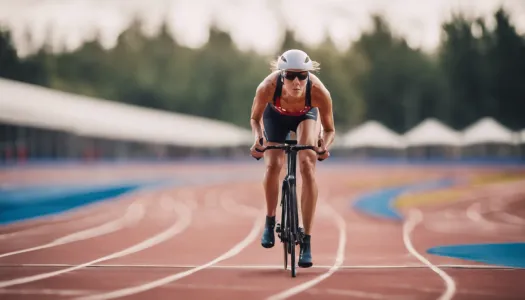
(294, 59)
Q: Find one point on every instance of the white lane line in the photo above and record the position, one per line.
(257, 226)
(44, 292)
(134, 213)
(341, 225)
(183, 221)
(415, 217)
(248, 267)
(254, 288)
(42, 229)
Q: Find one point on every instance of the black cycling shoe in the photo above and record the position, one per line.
(268, 237)
(305, 256)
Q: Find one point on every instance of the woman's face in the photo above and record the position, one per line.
(295, 82)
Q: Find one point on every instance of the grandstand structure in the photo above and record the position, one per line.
(38, 123)
(43, 124)
(431, 139)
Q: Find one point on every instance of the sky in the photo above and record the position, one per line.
(254, 24)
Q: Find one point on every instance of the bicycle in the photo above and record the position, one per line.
(289, 231)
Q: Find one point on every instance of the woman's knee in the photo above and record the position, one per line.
(307, 163)
(274, 161)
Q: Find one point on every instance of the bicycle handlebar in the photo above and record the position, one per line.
(290, 147)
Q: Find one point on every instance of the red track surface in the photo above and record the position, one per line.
(204, 241)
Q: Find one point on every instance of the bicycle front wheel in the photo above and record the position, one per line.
(285, 226)
(291, 244)
(293, 223)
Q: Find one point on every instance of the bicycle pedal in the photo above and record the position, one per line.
(278, 227)
(300, 231)
(300, 236)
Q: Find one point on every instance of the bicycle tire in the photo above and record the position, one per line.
(284, 226)
(285, 252)
(292, 258)
(295, 213)
(293, 226)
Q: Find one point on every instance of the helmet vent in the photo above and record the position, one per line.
(283, 58)
(307, 59)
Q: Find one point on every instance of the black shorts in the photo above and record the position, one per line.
(278, 126)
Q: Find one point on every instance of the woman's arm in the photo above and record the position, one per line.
(322, 99)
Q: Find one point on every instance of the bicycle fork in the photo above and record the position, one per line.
(291, 227)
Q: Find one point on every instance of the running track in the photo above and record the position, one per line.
(202, 241)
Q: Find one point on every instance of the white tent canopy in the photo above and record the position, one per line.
(371, 134)
(32, 105)
(488, 130)
(432, 132)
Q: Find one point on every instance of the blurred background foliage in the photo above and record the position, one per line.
(475, 72)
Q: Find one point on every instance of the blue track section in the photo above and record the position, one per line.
(502, 254)
(23, 203)
(26, 203)
(381, 203)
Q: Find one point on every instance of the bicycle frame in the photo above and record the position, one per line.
(289, 189)
(289, 231)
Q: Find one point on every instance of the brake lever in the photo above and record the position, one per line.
(320, 153)
(261, 141)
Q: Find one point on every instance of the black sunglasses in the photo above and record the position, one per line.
(292, 75)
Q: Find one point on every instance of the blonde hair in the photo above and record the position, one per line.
(315, 65)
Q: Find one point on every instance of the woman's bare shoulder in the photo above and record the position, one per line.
(271, 79)
(319, 90)
(267, 85)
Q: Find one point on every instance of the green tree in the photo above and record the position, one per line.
(464, 67)
(506, 73)
(399, 87)
(12, 67)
